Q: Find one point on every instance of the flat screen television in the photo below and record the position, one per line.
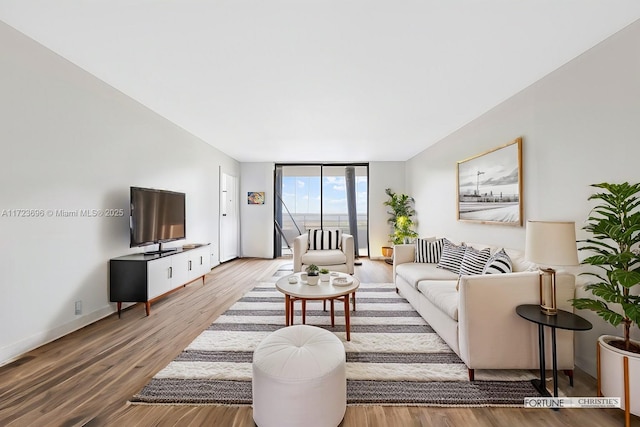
(157, 217)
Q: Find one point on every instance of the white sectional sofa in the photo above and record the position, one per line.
(475, 314)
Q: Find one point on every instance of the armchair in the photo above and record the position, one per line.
(332, 259)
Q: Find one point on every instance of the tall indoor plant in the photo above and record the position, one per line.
(400, 217)
(614, 225)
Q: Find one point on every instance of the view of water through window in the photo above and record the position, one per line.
(316, 196)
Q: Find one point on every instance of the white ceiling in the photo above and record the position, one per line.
(319, 80)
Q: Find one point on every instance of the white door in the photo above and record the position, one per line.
(229, 217)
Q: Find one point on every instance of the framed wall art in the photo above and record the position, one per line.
(490, 186)
(255, 198)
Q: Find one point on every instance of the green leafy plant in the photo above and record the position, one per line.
(400, 217)
(615, 227)
(324, 271)
(312, 270)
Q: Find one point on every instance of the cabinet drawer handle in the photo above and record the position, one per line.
(189, 265)
(170, 272)
(200, 259)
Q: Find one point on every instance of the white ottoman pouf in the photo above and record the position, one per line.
(299, 378)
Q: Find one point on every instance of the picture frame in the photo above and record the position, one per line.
(489, 186)
(255, 198)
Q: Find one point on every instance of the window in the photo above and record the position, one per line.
(321, 196)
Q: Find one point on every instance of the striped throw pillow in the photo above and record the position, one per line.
(451, 257)
(499, 263)
(474, 260)
(429, 250)
(324, 239)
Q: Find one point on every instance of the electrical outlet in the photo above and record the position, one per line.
(78, 307)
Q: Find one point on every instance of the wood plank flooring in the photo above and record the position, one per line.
(87, 377)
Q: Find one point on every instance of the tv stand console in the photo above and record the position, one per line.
(148, 277)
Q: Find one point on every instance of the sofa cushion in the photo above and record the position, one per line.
(413, 272)
(443, 294)
(451, 257)
(518, 263)
(324, 239)
(474, 260)
(498, 263)
(429, 250)
(324, 257)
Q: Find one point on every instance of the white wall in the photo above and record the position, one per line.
(382, 175)
(579, 126)
(257, 220)
(71, 142)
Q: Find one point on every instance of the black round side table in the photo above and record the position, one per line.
(562, 320)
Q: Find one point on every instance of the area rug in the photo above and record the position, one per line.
(393, 358)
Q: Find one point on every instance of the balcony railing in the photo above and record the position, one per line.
(307, 221)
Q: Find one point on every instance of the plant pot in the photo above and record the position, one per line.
(611, 373)
(324, 277)
(312, 280)
(387, 251)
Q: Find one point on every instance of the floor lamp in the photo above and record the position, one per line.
(550, 243)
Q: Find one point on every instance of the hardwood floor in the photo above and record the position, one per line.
(87, 377)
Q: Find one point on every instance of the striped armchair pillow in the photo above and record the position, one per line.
(324, 239)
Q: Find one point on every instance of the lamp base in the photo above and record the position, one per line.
(547, 280)
(549, 311)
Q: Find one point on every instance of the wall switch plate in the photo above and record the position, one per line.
(78, 307)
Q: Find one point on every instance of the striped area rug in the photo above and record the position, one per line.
(393, 358)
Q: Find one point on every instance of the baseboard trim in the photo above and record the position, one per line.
(16, 350)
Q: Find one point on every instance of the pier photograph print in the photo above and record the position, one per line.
(490, 186)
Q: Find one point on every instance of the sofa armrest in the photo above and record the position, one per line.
(300, 246)
(349, 251)
(403, 254)
(491, 333)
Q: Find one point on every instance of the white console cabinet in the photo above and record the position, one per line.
(145, 278)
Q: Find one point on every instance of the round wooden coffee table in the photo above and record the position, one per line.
(323, 291)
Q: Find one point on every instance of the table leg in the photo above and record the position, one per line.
(333, 322)
(543, 368)
(347, 321)
(287, 307)
(541, 384)
(555, 362)
(304, 311)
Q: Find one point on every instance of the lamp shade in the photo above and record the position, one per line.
(551, 243)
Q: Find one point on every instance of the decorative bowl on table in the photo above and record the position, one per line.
(312, 280)
(342, 281)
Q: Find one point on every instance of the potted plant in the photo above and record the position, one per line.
(615, 227)
(400, 219)
(313, 272)
(324, 275)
